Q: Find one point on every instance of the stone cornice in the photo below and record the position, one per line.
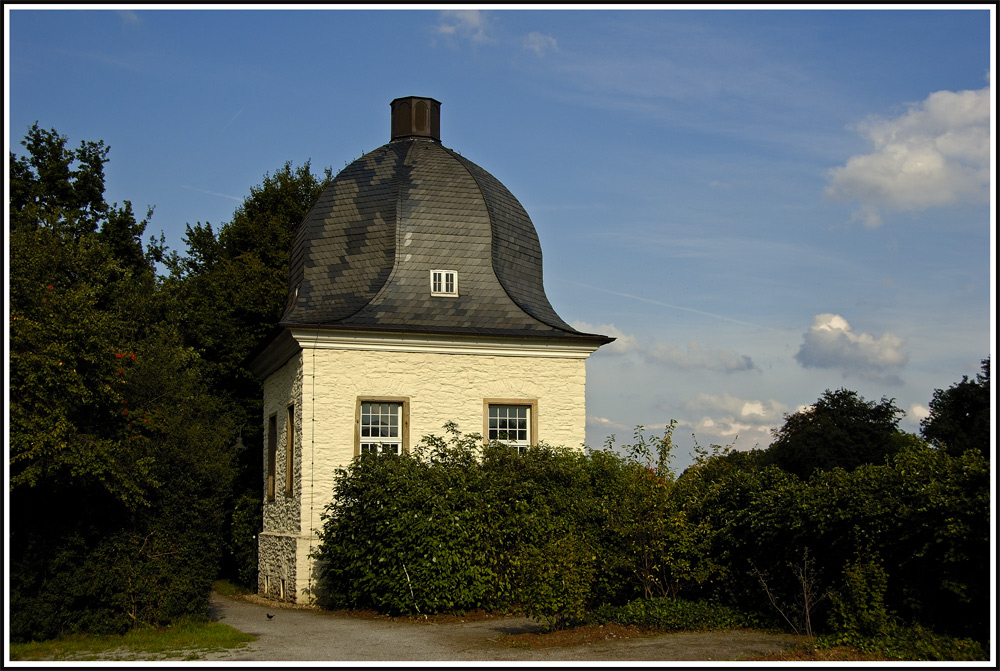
(295, 339)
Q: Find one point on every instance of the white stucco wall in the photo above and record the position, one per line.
(325, 384)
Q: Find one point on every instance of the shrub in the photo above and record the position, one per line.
(671, 614)
(246, 525)
(858, 608)
(554, 580)
(413, 533)
(458, 525)
(911, 642)
(923, 514)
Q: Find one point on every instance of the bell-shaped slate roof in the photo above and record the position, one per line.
(364, 254)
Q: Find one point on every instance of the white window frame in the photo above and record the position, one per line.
(444, 283)
(393, 409)
(528, 421)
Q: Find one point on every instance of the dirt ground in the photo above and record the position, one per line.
(305, 634)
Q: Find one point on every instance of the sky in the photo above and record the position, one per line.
(759, 204)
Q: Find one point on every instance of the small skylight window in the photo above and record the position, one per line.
(444, 283)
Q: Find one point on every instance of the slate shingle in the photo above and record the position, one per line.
(363, 254)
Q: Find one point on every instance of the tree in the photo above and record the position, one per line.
(840, 429)
(118, 455)
(233, 284)
(231, 287)
(960, 415)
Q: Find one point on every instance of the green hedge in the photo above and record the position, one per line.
(908, 539)
(457, 526)
(560, 533)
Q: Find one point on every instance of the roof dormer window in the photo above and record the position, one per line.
(444, 283)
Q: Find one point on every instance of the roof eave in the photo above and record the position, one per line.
(287, 339)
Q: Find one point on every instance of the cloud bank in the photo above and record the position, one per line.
(697, 356)
(937, 153)
(694, 356)
(725, 418)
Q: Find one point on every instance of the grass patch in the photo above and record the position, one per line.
(186, 639)
(227, 588)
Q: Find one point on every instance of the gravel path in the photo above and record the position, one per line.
(312, 635)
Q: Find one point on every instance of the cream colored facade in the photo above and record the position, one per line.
(321, 375)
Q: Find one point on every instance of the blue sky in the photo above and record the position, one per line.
(759, 204)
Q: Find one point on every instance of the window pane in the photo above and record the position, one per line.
(509, 423)
(381, 448)
(444, 282)
(380, 420)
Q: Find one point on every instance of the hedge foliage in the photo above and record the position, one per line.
(906, 540)
(672, 614)
(560, 533)
(456, 526)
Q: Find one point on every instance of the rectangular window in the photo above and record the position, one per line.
(444, 283)
(272, 454)
(382, 426)
(513, 422)
(289, 450)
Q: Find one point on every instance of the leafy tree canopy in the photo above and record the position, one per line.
(118, 454)
(230, 289)
(840, 429)
(232, 284)
(960, 415)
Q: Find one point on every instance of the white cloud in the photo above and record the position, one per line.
(746, 409)
(725, 418)
(727, 431)
(919, 412)
(697, 356)
(831, 343)
(935, 154)
(471, 25)
(623, 344)
(539, 43)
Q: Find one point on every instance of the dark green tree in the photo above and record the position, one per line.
(840, 429)
(960, 415)
(231, 286)
(118, 456)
